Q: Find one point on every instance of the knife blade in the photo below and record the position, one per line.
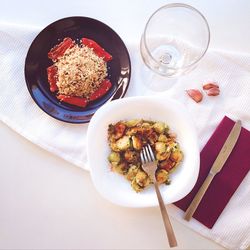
(216, 168)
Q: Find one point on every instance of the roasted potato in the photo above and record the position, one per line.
(123, 143)
(161, 156)
(176, 155)
(161, 147)
(167, 164)
(161, 176)
(119, 130)
(136, 186)
(142, 179)
(132, 171)
(162, 138)
(136, 143)
(131, 156)
(113, 146)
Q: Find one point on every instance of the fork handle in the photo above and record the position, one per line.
(170, 232)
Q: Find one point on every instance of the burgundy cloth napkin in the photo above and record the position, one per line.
(226, 181)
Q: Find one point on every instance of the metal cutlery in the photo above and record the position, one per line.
(216, 168)
(149, 165)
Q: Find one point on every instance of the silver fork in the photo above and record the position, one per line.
(149, 165)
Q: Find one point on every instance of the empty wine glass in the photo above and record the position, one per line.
(175, 39)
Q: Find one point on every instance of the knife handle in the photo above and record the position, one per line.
(197, 199)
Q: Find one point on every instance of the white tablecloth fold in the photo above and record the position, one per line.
(230, 71)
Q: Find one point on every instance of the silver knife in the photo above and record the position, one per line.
(216, 168)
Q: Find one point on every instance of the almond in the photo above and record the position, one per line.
(210, 85)
(213, 91)
(195, 94)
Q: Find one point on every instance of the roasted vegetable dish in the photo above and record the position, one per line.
(79, 71)
(126, 139)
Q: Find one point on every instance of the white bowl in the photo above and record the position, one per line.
(115, 187)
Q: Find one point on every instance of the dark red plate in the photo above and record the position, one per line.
(36, 63)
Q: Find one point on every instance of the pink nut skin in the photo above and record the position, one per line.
(213, 91)
(195, 94)
(210, 85)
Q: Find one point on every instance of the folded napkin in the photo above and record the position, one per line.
(68, 141)
(226, 181)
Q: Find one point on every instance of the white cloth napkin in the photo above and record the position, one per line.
(230, 71)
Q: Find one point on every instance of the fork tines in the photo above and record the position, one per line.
(147, 154)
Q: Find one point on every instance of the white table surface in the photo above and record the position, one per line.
(47, 203)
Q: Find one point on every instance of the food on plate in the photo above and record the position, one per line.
(74, 100)
(195, 94)
(126, 139)
(99, 51)
(79, 71)
(52, 77)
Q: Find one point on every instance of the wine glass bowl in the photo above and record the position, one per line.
(175, 39)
